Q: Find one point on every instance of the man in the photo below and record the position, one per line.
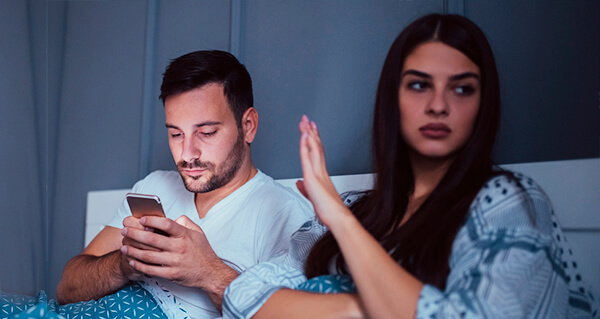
(224, 217)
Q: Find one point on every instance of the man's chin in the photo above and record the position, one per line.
(194, 184)
(196, 187)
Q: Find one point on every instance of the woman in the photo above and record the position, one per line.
(444, 232)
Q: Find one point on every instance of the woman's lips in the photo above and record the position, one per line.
(435, 130)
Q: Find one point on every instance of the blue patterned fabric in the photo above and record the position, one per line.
(329, 284)
(509, 260)
(130, 302)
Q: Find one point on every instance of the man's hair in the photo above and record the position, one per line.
(199, 68)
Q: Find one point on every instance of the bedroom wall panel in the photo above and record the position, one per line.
(98, 114)
(21, 222)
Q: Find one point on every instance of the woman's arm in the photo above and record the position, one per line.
(385, 289)
(264, 291)
(263, 287)
(286, 303)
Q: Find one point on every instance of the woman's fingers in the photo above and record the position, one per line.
(311, 149)
(316, 149)
(304, 125)
(305, 160)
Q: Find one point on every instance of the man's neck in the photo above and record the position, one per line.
(205, 201)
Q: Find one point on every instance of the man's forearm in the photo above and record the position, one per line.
(88, 277)
(223, 276)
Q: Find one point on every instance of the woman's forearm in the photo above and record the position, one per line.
(385, 289)
(286, 303)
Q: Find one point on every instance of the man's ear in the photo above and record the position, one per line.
(250, 124)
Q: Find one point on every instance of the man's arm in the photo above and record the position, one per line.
(98, 271)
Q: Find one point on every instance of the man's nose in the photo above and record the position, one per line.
(191, 150)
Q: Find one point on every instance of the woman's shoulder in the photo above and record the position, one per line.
(512, 200)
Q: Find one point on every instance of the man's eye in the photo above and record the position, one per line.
(208, 133)
(175, 135)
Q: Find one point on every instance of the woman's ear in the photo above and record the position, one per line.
(250, 124)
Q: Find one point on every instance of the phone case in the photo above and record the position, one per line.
(144, 205)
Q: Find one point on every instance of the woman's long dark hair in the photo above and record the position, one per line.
(423, 244)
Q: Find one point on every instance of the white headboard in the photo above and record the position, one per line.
(573, 187)
(102, 205)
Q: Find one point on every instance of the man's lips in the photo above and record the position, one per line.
(435, 130)
(193, 171)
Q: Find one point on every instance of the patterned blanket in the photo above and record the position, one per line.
(130, 302)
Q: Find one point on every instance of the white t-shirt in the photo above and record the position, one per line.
(251, 225)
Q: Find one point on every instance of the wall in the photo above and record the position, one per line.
(21, 227)
(88, 74)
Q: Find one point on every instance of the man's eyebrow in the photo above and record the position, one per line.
(207, 123)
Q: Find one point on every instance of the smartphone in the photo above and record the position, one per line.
(145, 205)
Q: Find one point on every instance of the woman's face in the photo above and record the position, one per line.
(439, 98)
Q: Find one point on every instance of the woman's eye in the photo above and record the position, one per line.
(418, 85)
(464, 90)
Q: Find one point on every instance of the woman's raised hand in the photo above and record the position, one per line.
(317, 185)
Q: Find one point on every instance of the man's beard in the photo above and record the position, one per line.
(220, 176)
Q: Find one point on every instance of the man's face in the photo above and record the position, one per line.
(204, 138)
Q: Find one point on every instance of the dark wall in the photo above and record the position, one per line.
(80, 82)
(548, 59)
(22, 236)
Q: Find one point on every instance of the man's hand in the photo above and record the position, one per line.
(185, 257)
(128, 271)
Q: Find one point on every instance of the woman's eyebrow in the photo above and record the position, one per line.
(465, 75)
(416, 73)
(456, 77)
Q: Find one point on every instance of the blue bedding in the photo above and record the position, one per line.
(130, 302)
